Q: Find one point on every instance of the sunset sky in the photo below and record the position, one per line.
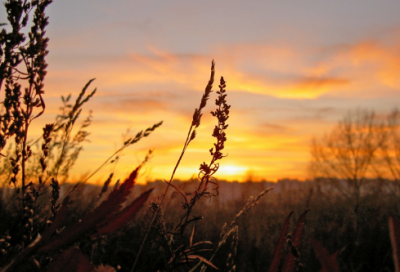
(293, 70)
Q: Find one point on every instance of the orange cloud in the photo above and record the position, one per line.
(383, 60)
(282, 71)
(276, 107)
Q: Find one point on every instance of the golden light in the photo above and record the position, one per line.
(231, 170)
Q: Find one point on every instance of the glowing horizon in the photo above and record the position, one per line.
(292, 72)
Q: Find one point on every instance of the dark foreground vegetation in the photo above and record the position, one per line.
(333, 224)
(359, 242)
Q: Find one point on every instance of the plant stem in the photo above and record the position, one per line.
(162, 199)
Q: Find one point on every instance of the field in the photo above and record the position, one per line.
(361, 241)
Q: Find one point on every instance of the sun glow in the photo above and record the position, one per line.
(232, 170)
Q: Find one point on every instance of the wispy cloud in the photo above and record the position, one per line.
(281, 93)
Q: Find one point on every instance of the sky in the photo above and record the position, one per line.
(293, 70)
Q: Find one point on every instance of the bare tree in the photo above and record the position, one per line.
(390, 150)
(347, 157)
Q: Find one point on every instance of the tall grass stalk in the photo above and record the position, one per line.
(190, 136)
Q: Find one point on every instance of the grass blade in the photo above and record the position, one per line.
(394, 230)
(279, 247)
(328, 262)
(204, 260)
(98, 216)
(121, 218)
(191, 236)
(289, 263)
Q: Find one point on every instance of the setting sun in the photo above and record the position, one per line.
(231, 170)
